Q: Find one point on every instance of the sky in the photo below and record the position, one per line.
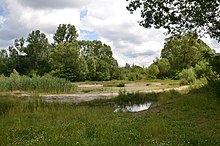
(105, 20)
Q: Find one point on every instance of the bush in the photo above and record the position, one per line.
(203, 69)
(132, 77)
(214, 86)
(187, 76)
(121, 84)
(153, 71)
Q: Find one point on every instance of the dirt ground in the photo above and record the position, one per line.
(88, 97)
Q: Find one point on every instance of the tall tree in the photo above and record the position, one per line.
(65, 33)
(37, 52)
(164, 68)
(67, 63)
(184, 51)
(180, 16)
(95, 52)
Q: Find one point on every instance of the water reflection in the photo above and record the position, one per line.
(133, 108)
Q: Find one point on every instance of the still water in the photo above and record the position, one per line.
(133, 108)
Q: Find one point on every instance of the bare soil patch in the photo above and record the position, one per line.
(90, 86)
(88, 97)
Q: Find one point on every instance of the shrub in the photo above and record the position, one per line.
(203, 69)
(132, 77)
(187, 76)
(214, 86)
(121, 84)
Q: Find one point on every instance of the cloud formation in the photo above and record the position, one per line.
(106, 20)
(53, 4)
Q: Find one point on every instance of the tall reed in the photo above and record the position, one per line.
(35, 84)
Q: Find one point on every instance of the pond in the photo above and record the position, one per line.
(133, 108)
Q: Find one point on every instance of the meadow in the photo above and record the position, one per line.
(187, 118)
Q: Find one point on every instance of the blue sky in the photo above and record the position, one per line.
(105, 20)
(83, 13)
(87, 35)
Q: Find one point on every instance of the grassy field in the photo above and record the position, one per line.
(174, 119)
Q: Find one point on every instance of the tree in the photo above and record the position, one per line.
(65, 34)
(153, 71)
(3, 61)
(184, 51)
(164, 67)
(99, 56)
(180, 16)
(37, 52)
(67, 63)
(3, 53)
(187, 76)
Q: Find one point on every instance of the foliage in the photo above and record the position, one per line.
(164, 68)
(187, 76)
(65, 33)
(200, 16)
(122, 84)
(184, 51)
(69, 58)
(203, 69)
(213, 86)
(99, 57)
(37, 52)
(214, 61)
(153, 71)
(66, 62)
(35, 84)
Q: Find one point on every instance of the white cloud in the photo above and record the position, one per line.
(53, 4)
(109, 19)
(116, 26)
(22, 19)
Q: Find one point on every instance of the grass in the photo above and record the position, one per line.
(35, 84)
(113, 86)
(174, 119)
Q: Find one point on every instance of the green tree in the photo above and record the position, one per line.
(153, 71)
(67, 63)
(187, 76)
(37, 52)
(3, 53)
(164, 68)
(184, 51)
(3, 62)
(201, 16)
(65, 33)
(100, 57)
(203, 70)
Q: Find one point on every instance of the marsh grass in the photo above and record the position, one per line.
(35, 84)
(125, 98)
(175, 119)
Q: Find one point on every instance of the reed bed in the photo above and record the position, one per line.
(35, 84)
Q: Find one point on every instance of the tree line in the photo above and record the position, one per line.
(67, 57)
(183, 56)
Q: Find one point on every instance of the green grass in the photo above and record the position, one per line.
(112, 86)
(174, 119)
(35, 84)
(114, 83)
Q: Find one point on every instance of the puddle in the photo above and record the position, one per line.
(133, 108)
